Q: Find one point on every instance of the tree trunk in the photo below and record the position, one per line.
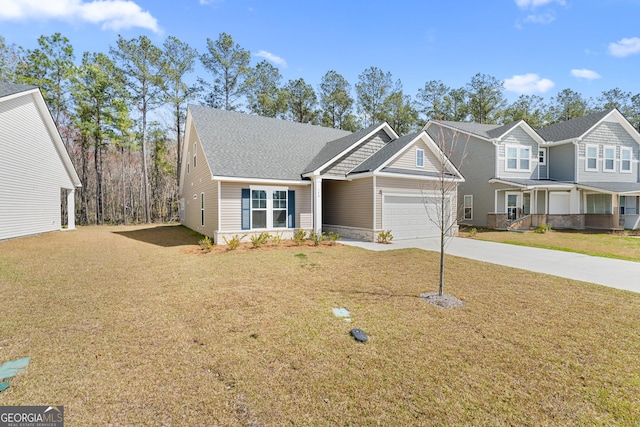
(145, 177)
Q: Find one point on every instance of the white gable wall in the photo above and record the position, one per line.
(32, 172)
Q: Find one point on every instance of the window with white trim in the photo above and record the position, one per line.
(591, 158)
(268, 207)
(518, 158)
(195, 152)
(468, 206)
(202, 209)
(419, 157)
(609, 164)
(542, 156)
(625, 159)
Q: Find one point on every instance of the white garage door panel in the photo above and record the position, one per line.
(408, 218)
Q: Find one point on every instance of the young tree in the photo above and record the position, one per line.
(51, 68)
(179, 60)
(372, 88)
(486, 98)
(451, 147)
(142, 65)
(229, 64)
(335, 101)
(301, 101)
(265, 97)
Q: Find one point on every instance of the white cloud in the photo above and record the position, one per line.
(112, 14)
(625, 47)
(272, 58)
(544, 19)
(532, 4)
(585, 74)
(528, 84)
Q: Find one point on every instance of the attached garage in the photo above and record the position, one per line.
(412, 216)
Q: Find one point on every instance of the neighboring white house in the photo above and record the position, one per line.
(36, 174)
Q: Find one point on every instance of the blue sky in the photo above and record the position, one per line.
(534, 46)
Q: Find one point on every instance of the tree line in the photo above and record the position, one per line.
(106, 105)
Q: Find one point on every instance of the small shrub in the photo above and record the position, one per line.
(473, 232)
(385, 237)
(276, 239)
(258, 240)
(234, 242)
(206, 244)
(299, 236)
(333, 237)
(543, 228)
(316, 237)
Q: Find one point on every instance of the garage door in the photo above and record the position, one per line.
(409, 217)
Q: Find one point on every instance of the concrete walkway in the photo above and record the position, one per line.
(602, 271)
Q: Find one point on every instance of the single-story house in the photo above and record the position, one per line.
(37, 178)
(243, 174)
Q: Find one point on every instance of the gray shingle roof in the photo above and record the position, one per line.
(333, 148)
(7, 88)
(385, 153)
(479, 129)
(613, 187)
(243, 145)
(571, 128)
(548, 183)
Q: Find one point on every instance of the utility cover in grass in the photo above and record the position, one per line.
(359, 335)
(341, 312)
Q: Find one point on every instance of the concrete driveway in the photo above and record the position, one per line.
(602, 271)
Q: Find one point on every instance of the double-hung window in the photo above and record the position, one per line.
(468, 206)
(269, 208)
(419, 157)
(625, 159)
(609, 159)
(591, 161)
(518, 158)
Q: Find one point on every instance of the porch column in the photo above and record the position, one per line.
(615, 207)
(71, 210)
(317, 204)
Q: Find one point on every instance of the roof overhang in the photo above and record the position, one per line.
(264, 181)
(551, 185)
(610, 190)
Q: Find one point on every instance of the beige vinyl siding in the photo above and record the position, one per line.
(198, 181)
(408, 159)
(348, 203)
(359, 155)
(608, 134)
(231, 205)
(386, 185)
(32, 172)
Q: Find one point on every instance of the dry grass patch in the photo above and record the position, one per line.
(130, 326)
(620, 246)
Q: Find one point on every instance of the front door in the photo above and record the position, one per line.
(512, 206)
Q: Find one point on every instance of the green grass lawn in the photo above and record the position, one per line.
(136, 326)
(620, 246)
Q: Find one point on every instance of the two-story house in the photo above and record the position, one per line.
(582, 173)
